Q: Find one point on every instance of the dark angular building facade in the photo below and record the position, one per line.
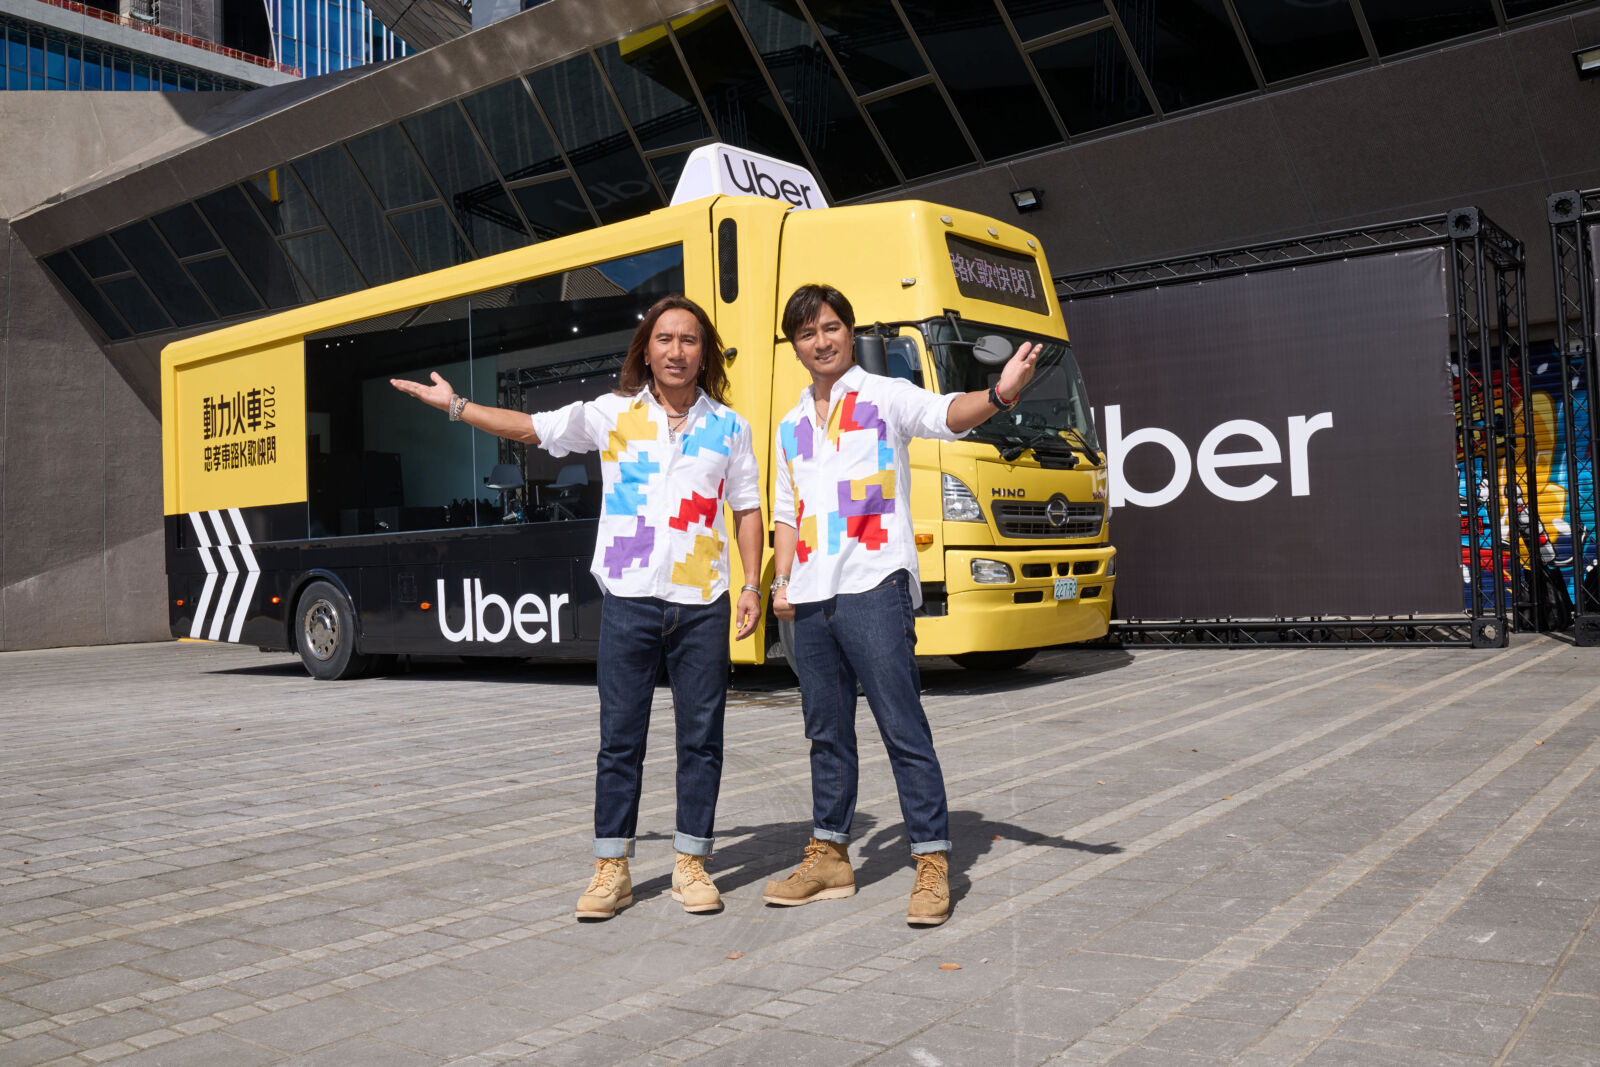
(1147, 128)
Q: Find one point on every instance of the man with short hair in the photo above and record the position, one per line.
(846, 573)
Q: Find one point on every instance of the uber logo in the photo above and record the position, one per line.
(1209, 460)
(758, 182)
(529, 610)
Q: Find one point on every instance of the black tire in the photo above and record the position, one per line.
(325, 633)
(1009, 659)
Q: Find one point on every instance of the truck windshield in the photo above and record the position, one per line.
(1053, 414)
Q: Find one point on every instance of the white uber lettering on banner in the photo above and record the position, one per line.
(479, 610)
(1208, 459)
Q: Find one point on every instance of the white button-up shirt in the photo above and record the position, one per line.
(844, 487)
(661, 520)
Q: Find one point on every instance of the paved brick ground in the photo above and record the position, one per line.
(1163, 857)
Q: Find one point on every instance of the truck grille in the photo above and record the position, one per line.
(1028, 518)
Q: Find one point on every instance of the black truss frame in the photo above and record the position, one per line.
(1488, 295)
(1571, 213)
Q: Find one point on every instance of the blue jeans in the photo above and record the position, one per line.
(636, 635)
(872, 637)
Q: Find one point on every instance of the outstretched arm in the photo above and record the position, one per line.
(969, 409)
(502, 422)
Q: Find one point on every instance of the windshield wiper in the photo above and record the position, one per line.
(1083, 445)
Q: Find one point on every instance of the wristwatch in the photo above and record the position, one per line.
(779, 581)
(994, 398)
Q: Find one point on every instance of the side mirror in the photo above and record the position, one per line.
(992, 350)
(871, 354)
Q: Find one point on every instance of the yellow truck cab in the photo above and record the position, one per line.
(355, 528)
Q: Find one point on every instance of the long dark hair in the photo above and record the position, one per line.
(635, 374)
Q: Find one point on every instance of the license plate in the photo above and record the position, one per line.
(1066, 588)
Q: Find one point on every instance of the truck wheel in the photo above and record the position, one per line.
(1006, 660)
(325, 633)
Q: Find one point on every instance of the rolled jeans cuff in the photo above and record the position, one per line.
(691, 846)
(611, 848)
(830, 835)
(922, 848)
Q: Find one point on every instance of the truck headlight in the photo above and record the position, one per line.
(959, 503)
(991, 572)
(1111, 566)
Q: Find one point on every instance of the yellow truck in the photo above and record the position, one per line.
(311, 507)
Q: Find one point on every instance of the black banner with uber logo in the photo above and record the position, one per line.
(1281, 444)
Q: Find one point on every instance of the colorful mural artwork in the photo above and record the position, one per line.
(1536, 522)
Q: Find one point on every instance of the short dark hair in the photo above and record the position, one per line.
(635, 373)
(806, 304)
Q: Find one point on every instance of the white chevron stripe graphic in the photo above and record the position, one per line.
(228, 583)
(211, 574)
(252, 573)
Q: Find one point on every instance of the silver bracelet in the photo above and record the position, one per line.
(779, 581)
(749, 589)
(457, 403)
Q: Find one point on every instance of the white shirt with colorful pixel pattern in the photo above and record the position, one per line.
(661, 512)
(845, 488)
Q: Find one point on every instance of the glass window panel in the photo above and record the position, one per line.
(36, 54)
(1514, 8)
(741, 106)
(17, 79)
(1035, 18)
(850, 160)
(323, 263)
(464, 176)
(1397, 27)
(161, 272)
(392, 168)
(655, 92)
(922, 136)
(75, 66)
(1188, 48)
(870, 41)
(431, 237)
(224, 285)
(1091, 82)
(596, 141)
(169, 80)
(554, 208)
(17, 49)
(187, 82)
(354, 216)
(186, 231)
(1290, 40)
(93, 69)
(122, 77)
(141, 75)
(55, 67)
(515, 135)
(283, 201)
(974, 56)
(253, 248)
(100, 257)
(88, 297)
(138, 309)
(375, 462)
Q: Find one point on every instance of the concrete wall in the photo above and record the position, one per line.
(81, 558)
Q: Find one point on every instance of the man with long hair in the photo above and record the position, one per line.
(846, 573)
(671, 453)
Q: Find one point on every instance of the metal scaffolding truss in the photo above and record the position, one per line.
(1487, 284)
(1572, 215)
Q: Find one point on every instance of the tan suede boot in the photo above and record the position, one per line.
(930, 893)
(609, 891)
(692, 886)
(824, 874)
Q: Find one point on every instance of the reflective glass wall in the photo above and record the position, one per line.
(871, 95)
(38, 57)
(319, 36)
